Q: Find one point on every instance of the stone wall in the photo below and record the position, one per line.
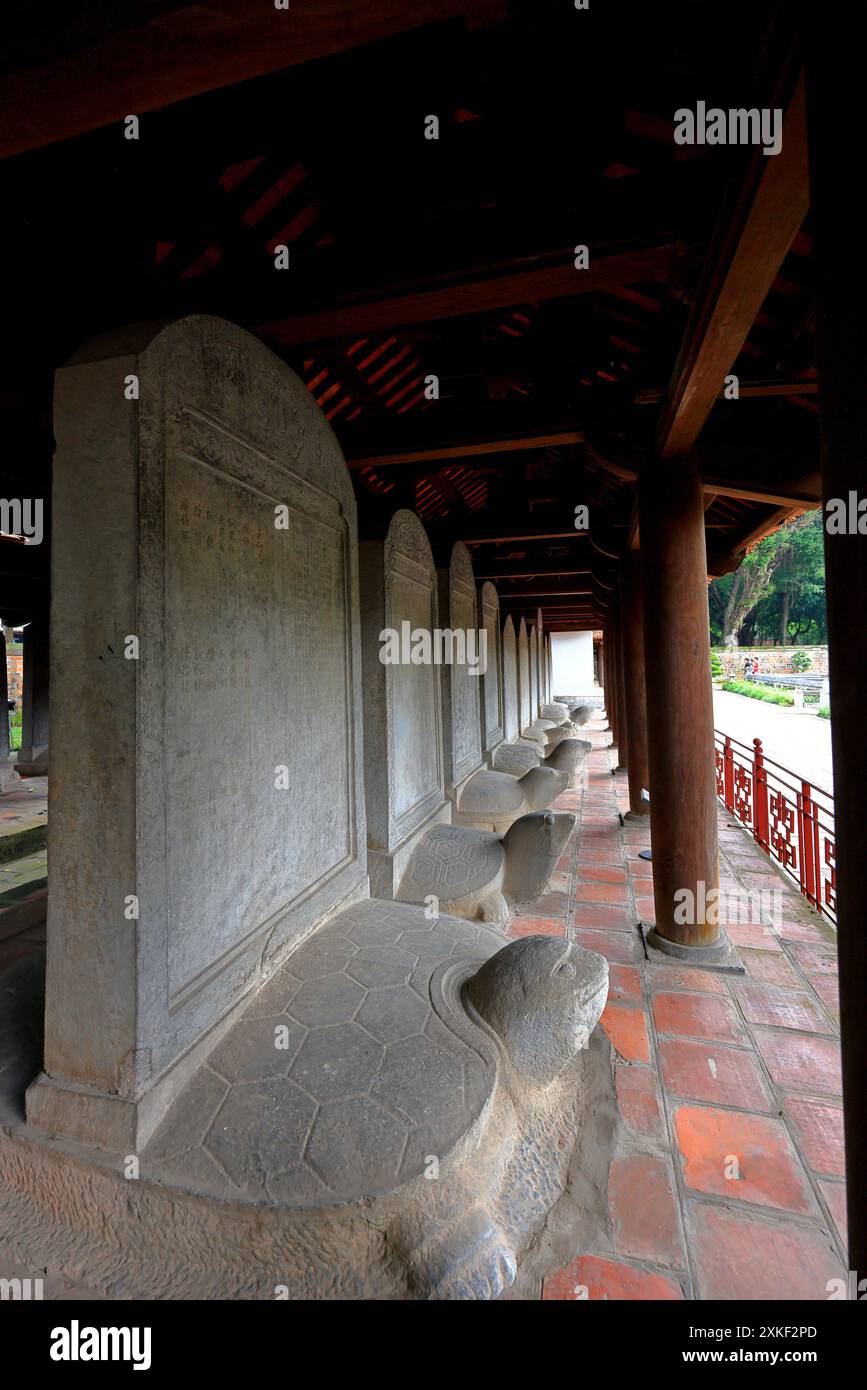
(773, 661)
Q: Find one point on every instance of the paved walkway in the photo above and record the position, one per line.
(731, 1186)
(799, 741)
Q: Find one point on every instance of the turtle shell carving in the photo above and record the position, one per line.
(452, 864)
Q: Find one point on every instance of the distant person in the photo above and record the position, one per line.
(748, 670)
(755, 668)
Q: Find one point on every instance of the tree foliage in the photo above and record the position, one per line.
(778, 592)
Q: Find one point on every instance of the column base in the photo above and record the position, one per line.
(637, 817)
(722, 956)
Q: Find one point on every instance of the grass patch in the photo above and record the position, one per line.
(758, 692)
(823, 712)
(14, 729)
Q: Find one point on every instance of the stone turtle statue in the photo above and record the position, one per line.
(556, 712)
(580, 715)
(407, 1138)
(567, 757)
(493, 800)
(539, 999)
(476, 874)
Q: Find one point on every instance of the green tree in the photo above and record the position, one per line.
(778, 590)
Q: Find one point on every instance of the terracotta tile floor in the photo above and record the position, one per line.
(731, 1183)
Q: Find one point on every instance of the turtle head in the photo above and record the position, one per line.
(533, 844)
(543, 996)
(540, 786)
(568, 755)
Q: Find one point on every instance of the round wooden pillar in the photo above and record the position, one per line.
(679, 702)
(633, 680)
(623, 710)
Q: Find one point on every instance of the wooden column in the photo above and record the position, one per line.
(623, 737)
(616, 664)
(680, 742)
(835, 131)
(633, 678)
(610, 691)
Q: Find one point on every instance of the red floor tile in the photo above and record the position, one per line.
(601, 893)
(815, 959)
(718, 1075)
(800, 1062)
(642, 1210)
(780, 1008)
(601, 873)
(600, 916)
(599, 857)
(737, 1256)
(536, 926)
(696, 1016)
(769, 967)
(641, 886)
(624, 984)
(827, 989)
(593, 1277)
(684, 977)
(626, 1030)
(638, 1098)
(802, 931)
(548, 905)
(616, 946)
(717, 1144)
(818, 1129)
(755, 934)
(834, 1194)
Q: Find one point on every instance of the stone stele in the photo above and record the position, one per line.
(325, 1095)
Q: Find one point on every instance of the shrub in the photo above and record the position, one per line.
(758, 692)
(823, 712)
(800, 662)
(716, 666)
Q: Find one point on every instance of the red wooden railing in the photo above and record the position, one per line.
(791, 820)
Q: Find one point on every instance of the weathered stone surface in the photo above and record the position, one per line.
(474, 873)
(525, 713)
(535, 702)
(491, 706)
(494, 800)
(357, 1078)
(165, 526)
(543, 997)
(511, 712)
(403, 726)
(461, 685)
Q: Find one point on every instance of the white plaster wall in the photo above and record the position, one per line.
(572, 658)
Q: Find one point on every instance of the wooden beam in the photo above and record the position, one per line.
(746, 389)
(764, 528)
(499, 570)
(471, 292)
(760, 492)
(197, 48)
(742, 267)
(530, 440)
